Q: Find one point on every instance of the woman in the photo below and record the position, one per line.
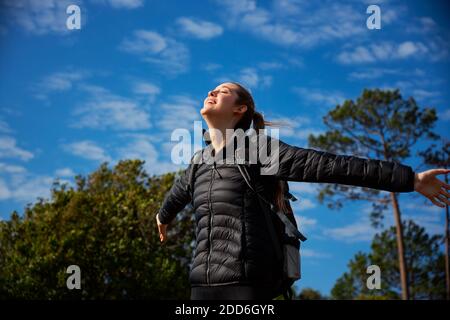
(233, 258)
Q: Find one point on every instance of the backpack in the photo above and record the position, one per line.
(282, 228)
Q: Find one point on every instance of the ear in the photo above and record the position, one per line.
(241, 109)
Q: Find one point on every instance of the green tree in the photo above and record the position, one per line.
(310, 294)
(380, 125)
(106, 226)
(426, 272)
(440, 156)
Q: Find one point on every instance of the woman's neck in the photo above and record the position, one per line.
(219, 135)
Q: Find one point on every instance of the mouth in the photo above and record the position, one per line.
(210, 101)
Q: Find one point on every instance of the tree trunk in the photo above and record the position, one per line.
(447, 247)
(400, 248)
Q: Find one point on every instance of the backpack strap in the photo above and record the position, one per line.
(195, 161)
(267, 212)
(289, 225)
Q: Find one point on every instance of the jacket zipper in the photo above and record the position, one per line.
(210, 223)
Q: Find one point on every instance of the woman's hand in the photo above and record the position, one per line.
(431, 187)
(162, 230)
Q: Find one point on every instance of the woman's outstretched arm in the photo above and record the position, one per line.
(174, 201)
(308, 165)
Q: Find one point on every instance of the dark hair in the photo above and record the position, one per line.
(251, 115)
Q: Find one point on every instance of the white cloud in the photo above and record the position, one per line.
(4, 127)
(251, 78)
(298, 127)
(64, 172)
(319, 97)
(122, 4)
(305, 224)
(358, 231)
(313, 253)
(88, 150)
(303, 204)
(5, 193)
(10, 169)
(171, 56)
(385, 51)
(25, 187)
(302, 188)
(270, 65)
(9, 149)
(210, 67)
(31, 189)
(375, 73)
(295, 24)
(421, 25)
(141, 147)
(39, 17)
(147, 89)
(199, 29)
(58, 82)
(179, 112)
(107, 110)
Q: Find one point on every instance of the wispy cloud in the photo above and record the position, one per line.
(296, 127)
(122, 4)
(249, 77)
(178, 112)
(4, 127)
(37, 16)
(303, 204)
(171, 56)
(200, 29)
(299, 24)
(147, 89)
(358, 231)
(58, 82)
(142, 146)
(64, 172)
(210, 67)
(301, 188)
(309, 253)
(8, 168)
(379, 72)
(387, 51)
(319, 97)
(107, 110)
(9, 149)
(88, 150)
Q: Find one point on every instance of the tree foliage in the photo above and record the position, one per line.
(378, 125)
(425, 261)
(106, 226)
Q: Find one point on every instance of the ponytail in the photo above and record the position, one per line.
(251, 115)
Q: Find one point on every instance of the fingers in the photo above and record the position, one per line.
(443, 199)
(161, 229)
(440, 171)
(436, 202)
(444, 193)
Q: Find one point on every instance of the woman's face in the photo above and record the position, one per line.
(221, 102)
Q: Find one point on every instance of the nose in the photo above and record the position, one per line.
(212, 93)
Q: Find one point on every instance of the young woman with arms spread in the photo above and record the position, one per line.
(233, 258)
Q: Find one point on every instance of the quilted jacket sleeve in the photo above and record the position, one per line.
(176, 199)
(299, 164)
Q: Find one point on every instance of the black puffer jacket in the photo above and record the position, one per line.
(233, 245)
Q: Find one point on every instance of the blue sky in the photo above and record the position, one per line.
(138, 69)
